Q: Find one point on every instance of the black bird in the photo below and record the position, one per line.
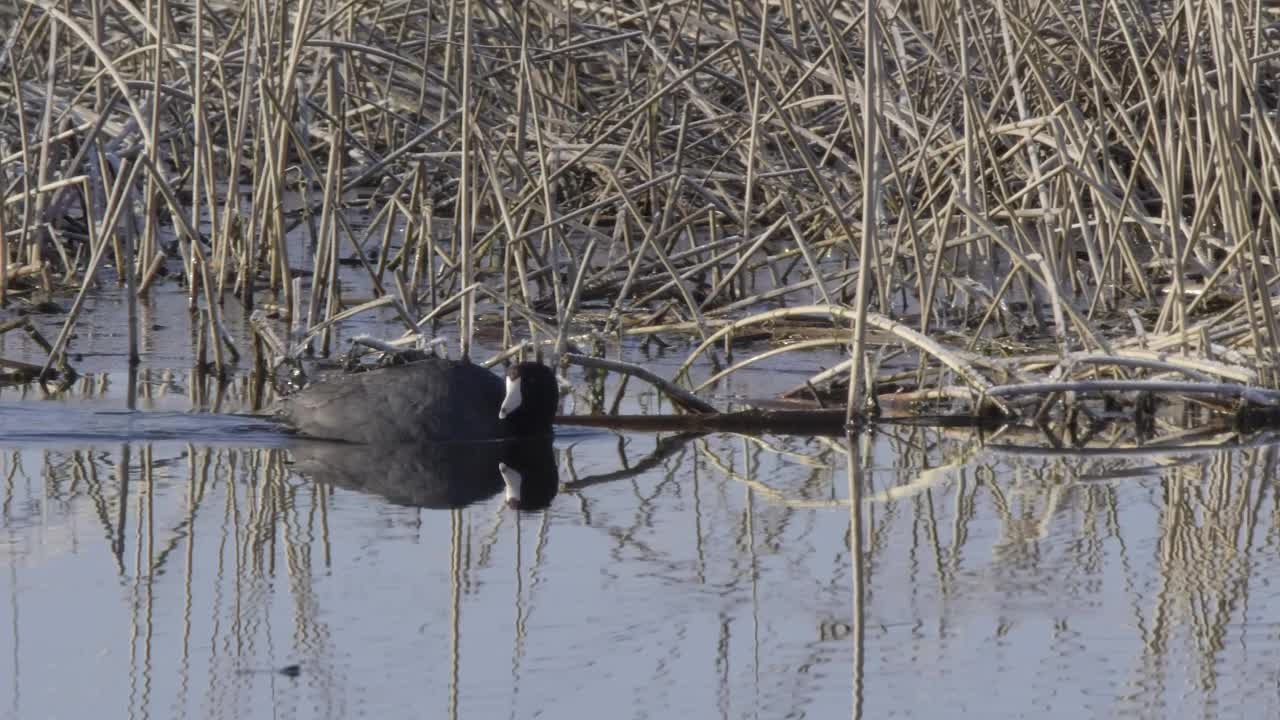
(432, 400)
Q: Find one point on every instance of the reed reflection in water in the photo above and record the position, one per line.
(699, 575)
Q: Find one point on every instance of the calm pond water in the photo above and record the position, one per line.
(167, 564)
(670, 576)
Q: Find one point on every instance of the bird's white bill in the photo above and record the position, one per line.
(512, 401)
(512, 479)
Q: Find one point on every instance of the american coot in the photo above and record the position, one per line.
(444, 475)
(432, 400)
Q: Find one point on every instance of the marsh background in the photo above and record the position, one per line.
(759, 201)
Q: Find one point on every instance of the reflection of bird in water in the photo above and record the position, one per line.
(446, 475)
(292, 671)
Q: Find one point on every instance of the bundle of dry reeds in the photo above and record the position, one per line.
(1009, 192)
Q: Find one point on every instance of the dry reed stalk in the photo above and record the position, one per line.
(871, 109)
(466, 201)
(4, 249)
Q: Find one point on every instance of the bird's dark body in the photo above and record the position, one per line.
(433, 399)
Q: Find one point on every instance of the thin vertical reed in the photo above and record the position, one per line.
(870, 201)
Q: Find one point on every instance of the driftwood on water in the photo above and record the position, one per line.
(824, 421)
(1255, 407)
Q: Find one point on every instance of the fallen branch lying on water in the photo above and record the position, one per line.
(834, 420)
(1260, 396)
(679, 395)
(783, 422)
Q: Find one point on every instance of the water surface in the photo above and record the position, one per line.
(171, 562)
(711, 576)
